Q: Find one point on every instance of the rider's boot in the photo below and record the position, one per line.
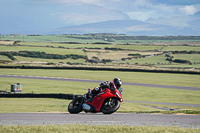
(88, 95)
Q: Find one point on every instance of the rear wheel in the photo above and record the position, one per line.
(110, 106)
(75, 106)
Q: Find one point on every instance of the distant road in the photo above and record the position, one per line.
(188, 121)
(98, 81)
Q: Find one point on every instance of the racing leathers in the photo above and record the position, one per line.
(97, 90)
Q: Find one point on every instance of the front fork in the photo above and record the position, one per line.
(109, 104)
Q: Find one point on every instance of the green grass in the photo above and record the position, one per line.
(134, 77)
(39, 60)
(47, 50)
(18, 105)
(51, 43)
(66, 45)
(168, 112)
(190, 57)
(148, 60)
(182, 48)
(116, 55)
(2, 57)
(21, 105)
(132, 93)
(136, 93)
(47, 86)
(50, 38)
(77, 128)
(180, 66)
(139, 47)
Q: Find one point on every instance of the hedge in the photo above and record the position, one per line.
(30, 95)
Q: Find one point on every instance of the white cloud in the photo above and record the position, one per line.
(188, 10)
(134, 9)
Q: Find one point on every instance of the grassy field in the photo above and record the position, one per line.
(18, 105)
(94, 128)
(2, 57)
(114, 48)
(48, 50)
(134, 77)
(182, 48)
(139, 47)
(65, 45)
(28, 60)
(132, 93)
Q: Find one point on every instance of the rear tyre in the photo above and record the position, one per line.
(110, 106)
(75, 106)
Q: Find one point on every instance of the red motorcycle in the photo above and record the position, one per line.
(106, 102)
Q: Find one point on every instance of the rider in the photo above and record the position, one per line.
(115, 84)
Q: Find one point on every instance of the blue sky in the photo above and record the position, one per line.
(135, 9)
(49, 14)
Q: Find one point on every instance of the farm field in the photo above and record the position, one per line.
(102, 50)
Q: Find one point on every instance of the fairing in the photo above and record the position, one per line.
(101, 97)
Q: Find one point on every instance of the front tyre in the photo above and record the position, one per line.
(75, 106)
(110, 106)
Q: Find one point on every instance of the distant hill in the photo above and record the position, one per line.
(192, 21)
(129, 27)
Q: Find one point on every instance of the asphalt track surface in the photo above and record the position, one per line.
(188, 121)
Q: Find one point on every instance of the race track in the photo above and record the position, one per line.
(189, 121)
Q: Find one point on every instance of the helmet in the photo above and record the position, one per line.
(117, 83)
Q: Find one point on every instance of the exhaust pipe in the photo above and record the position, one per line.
(86, 107)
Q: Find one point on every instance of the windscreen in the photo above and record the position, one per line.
(120, 90)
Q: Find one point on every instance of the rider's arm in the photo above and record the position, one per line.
(105, 84)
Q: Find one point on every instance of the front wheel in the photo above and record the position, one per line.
(110, 106)
(75, 106)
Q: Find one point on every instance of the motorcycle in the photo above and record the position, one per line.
(106, 102)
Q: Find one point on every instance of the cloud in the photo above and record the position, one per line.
(177, 2)
(134, 9)
(48, 14)
(188, 9)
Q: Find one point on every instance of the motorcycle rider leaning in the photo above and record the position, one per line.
(116, 83)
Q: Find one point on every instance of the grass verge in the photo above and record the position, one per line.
(94, 128)
(165, 112)
(134, 77)
(23, 105)
(131, 93)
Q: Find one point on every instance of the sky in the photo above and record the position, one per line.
(45, 14)
(134, 9)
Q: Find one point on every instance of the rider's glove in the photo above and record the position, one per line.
(105, 84)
